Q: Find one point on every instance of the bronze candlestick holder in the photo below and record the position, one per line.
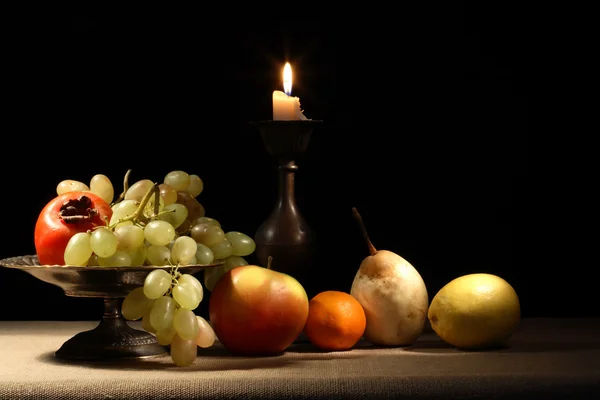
(285, 235)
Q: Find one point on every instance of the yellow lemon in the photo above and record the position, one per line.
(475, 311)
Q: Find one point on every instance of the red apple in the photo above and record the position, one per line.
(257, 311)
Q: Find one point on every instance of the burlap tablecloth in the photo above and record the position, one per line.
(546, 358)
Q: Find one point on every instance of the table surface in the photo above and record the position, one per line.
(546, 358)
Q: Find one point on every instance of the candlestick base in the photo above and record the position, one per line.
(285, 235)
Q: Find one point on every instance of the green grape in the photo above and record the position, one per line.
(189, 279)
(222, 250)
(183, 352)
(213, 274)
(78, 250)
(186, 295)
(156, 284)
(161, 312)
(138, 256)
(158, 255)
(135, 305)
(146, 322)
(123, 209)
(167, 193)
(164, 337)
(103, 242)
(196, 185)
(204, 254)
(70, 185)
(184, 249)
(159, 233)
(138, 190)
(118, 259)
(124, 223)
(188, 292)
(243, 245)
(207, 234)
(185, 324)
(206, 335)
(206, 220)
(176, 215)
(178, 180)
(234, 261)
(129, 237)
(103, 187)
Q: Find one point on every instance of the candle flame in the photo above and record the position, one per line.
(287, 79)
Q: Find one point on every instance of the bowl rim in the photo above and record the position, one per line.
(19, 262)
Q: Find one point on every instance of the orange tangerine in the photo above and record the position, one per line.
(336, 321)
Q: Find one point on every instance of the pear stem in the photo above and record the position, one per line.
(269, 260)
(361, 225)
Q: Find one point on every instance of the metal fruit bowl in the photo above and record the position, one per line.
(113, 338)
(94, 281)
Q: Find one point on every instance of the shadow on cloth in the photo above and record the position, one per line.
(165, 363)
(214, 358)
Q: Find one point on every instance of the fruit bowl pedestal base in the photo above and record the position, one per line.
(113, 338)
(285, 235)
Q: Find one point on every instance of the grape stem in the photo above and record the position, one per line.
(175, 274)
(161, 213)
(125, 188)
(135, 216)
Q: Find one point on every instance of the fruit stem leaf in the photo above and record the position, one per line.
(269, 261)
(361, 225)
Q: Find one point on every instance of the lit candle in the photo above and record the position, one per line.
(286, 107)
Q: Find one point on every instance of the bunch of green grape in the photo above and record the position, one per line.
(166, 304)
(176, 231)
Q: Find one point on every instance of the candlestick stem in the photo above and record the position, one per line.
(286, 190)
(285, 235)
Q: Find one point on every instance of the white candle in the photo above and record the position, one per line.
(286, 107)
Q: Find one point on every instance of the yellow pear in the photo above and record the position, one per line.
(475, 311)
(393, 295)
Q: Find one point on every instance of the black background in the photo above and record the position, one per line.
(425, 132)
